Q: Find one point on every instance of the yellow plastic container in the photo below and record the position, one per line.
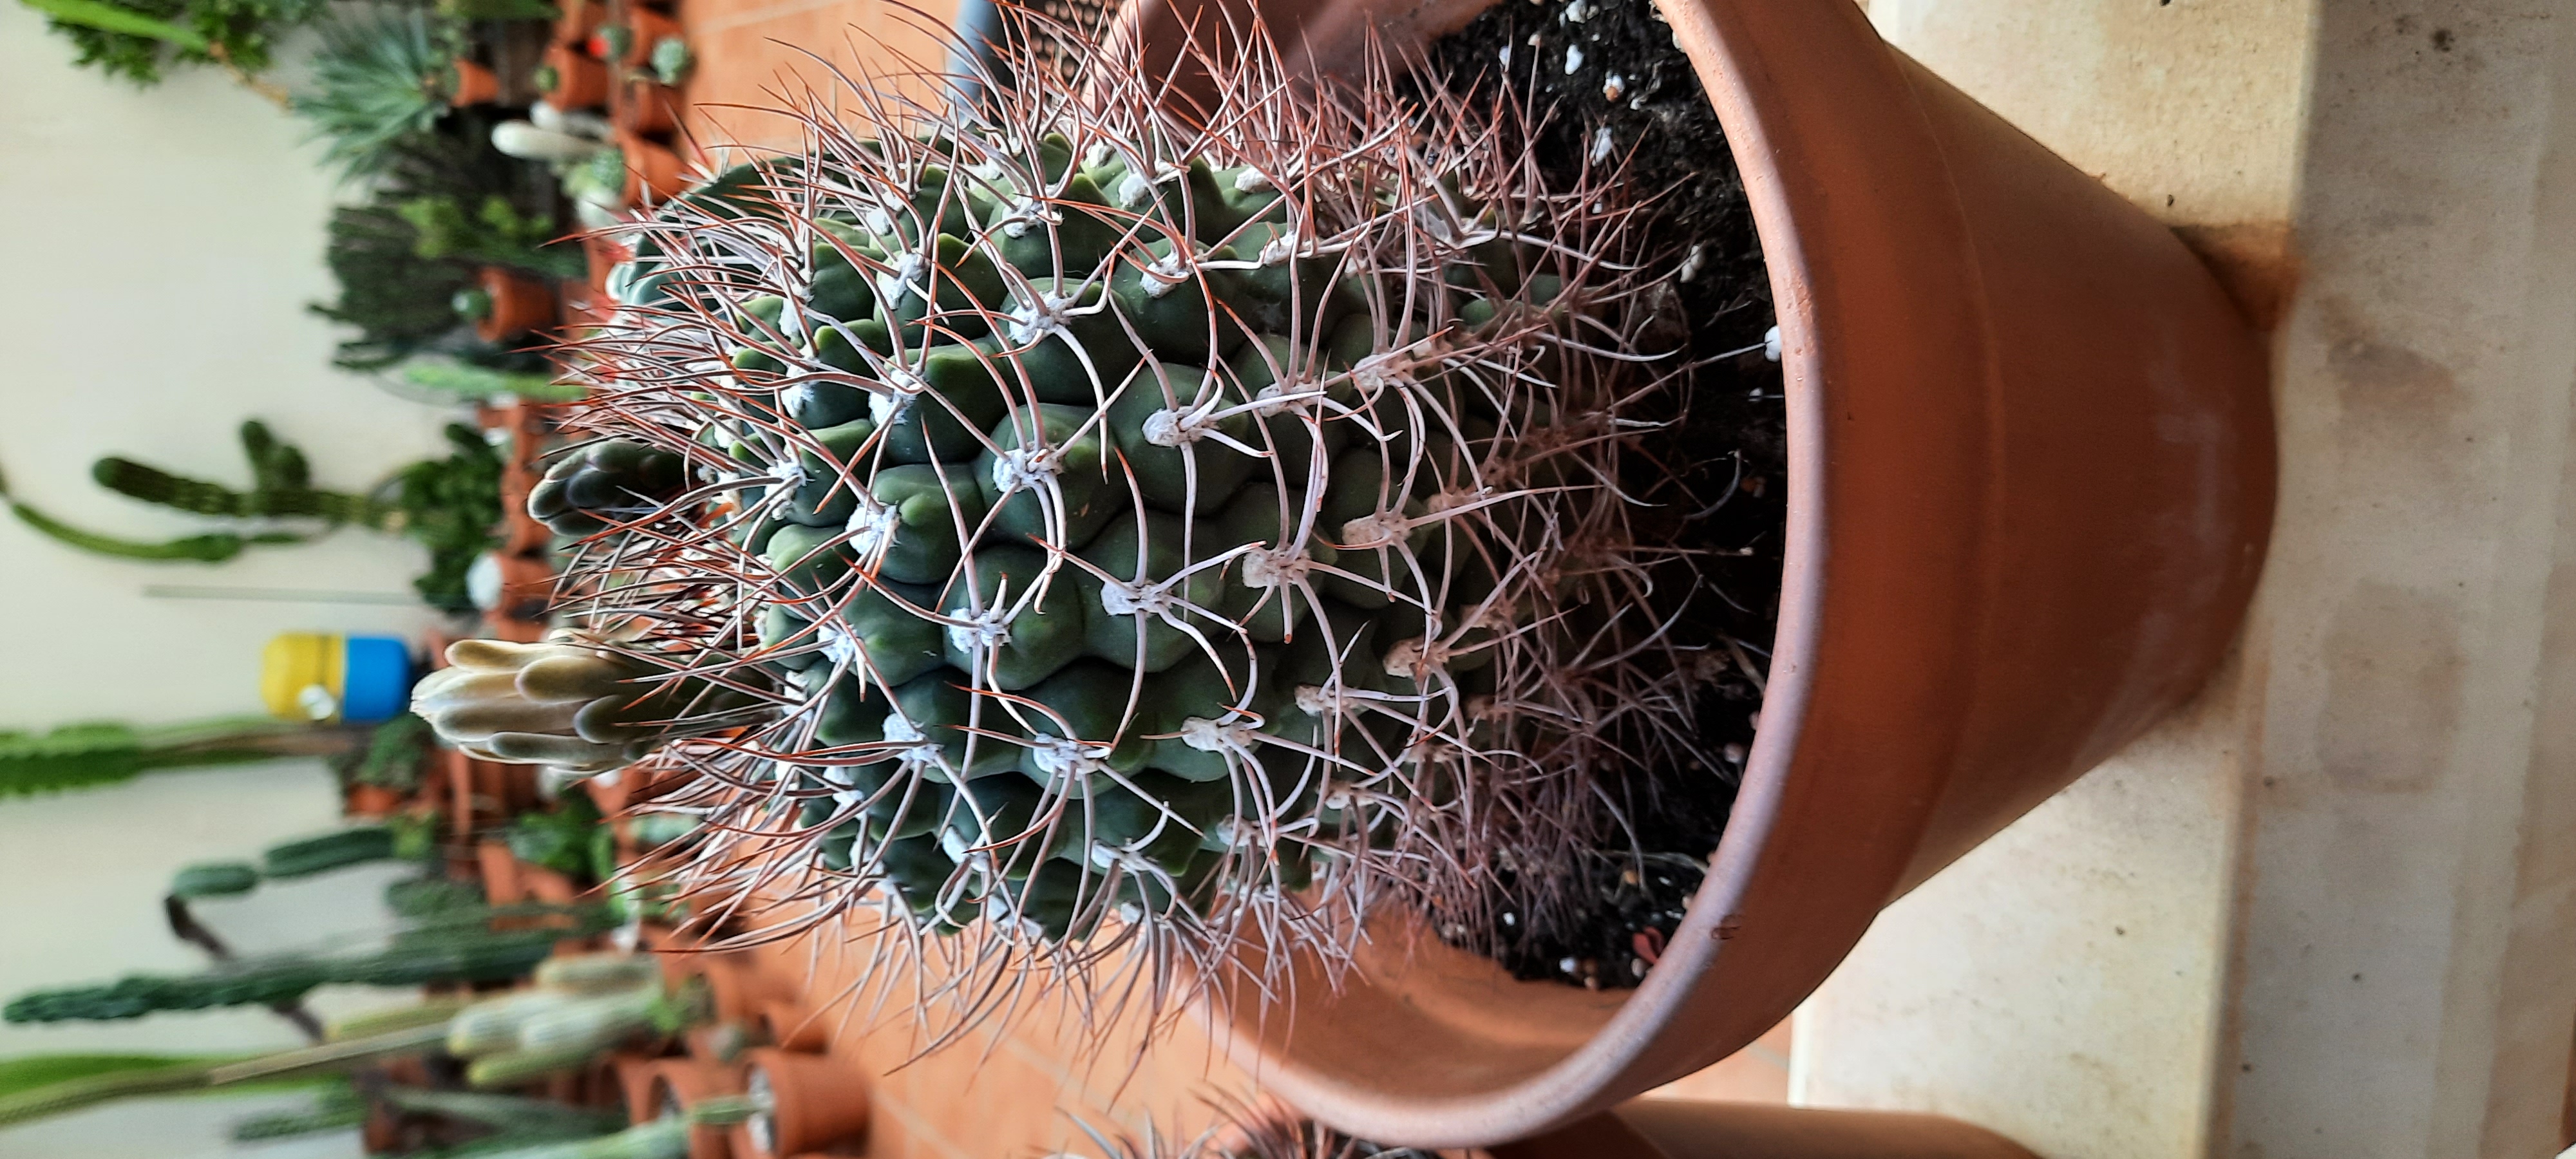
(302, 675)
(327, 677)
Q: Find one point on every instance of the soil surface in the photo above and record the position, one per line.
(1608, 82)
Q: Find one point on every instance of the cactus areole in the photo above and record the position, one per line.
(1062, 518)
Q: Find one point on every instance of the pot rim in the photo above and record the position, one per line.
(1620, 1049)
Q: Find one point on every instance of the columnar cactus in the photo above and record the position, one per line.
(1129, 521)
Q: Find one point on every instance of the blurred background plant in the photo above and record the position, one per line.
(137, 40)
(378, 79)
(450, 505)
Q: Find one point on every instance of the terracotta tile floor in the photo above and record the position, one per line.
(1024, 1089)
(753, 52)
(1016, 1095)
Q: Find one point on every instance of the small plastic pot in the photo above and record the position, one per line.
(371, 801)
(572, 79)
(475, 84)
(806, 1103)
(677, 1084)
(638, 1084)
(790, 1026)
(648, 108)
(737, 990)
(514, 304)
(325, 677)
(640, 35)
(651, 167)
(577, 20)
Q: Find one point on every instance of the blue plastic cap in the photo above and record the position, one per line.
(376, 685)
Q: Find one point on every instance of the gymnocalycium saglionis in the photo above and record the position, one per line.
(1075, 517)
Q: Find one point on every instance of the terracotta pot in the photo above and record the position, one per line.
(581, 81)
(475, 84)
(503, 883)
(736, 987)
(1689, 1129)
(652, 168)
(519, 304)
(648, 108)
(679, 1083)
(577, 20)
(807, 1101)
(790, 1026)
(2030, 485)
(637, 1084)
(527, 586)
(648, 28)
(371, 801)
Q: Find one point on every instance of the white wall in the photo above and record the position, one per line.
(158, 248)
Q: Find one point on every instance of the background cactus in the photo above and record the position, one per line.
(1139, 524)
(472, 946)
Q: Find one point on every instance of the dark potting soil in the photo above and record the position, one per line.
(1607, 83)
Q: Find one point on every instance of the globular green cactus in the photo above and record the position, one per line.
(1134, 522)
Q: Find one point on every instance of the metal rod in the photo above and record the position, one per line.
(274, 595)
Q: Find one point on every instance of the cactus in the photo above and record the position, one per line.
(592, 489)
(214, 879)
(77, 756)
(565, 703)
(450, 505)
(1124, 526)
(322, 852)
(464, 948)
(580, 1008)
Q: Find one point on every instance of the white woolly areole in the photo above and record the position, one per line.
(1163, 273)
(1383, 529)
(1208, 736)
(1037, 318)
(1409, 657)
(1180, 428)
(840, 648)
(904, 271)
(872, 526)
(1023, 468)
(1028, 212)
(1275, 569)
(1132, 599)
(990, 628)
(1058, 757)
(899, 729)
(903, 387)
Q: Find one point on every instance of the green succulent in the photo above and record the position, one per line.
(375, 84)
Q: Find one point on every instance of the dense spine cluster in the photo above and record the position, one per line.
(1118, 521)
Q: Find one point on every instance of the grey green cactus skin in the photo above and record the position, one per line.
(1136, 526)
(594, 488)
